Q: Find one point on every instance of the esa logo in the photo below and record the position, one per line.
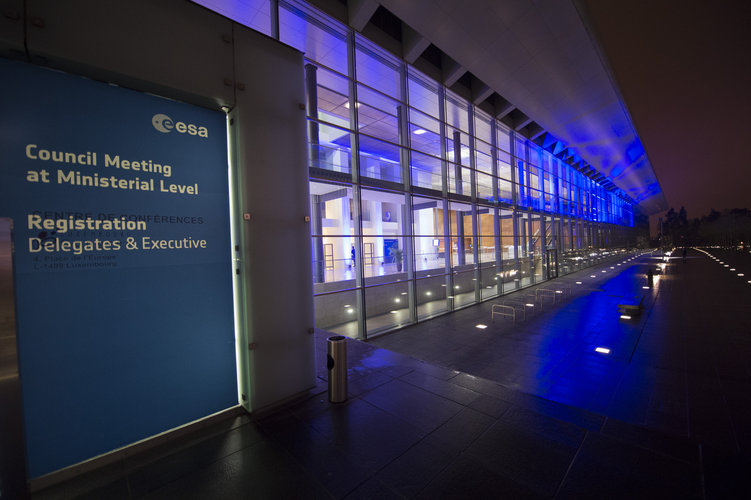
(165, 125)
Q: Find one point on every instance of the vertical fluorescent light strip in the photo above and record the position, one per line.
(236, 296)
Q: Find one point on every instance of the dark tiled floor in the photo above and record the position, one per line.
(514, 411)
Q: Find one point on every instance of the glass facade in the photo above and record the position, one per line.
(422, 203)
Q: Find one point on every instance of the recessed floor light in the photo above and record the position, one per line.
(625, 316)
(603, 350)
(741, 274)
(593, 276)
(481, 326)
(578, 282)
(645, 287)
(732, 269)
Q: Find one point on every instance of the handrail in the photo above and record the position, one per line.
(542, 293)
(502, 310)
(515, 303)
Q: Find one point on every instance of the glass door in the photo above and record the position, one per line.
(551, 258)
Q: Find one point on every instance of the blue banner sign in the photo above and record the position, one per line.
(120, 208)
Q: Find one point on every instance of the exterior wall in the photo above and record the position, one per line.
(422, 203)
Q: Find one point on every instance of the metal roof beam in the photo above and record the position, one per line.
(413, 44)
(360, 12)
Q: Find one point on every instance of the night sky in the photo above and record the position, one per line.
(684, 71)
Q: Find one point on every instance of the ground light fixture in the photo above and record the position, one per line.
(578, 282)
(593, 276)
(481, 326)
(625, 316)
(603, 350)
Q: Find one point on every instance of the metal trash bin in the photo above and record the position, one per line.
(336, 362)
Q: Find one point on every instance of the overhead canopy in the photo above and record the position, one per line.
(539, 57)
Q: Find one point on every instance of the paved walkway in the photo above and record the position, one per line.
(524, 411)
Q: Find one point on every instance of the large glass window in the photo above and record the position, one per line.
(429, 240)
(321, 38)
(448, 206)
(377, 69)
(333, 229)
(380, 160)
(457, 112)
(425, 133)
(254, 14)
(423, 93)
(383, 230)
(333, 98)
(377, 115)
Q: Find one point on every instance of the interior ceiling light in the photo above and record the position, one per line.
(603, 350)
(419, 131)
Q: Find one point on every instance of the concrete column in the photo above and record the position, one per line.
(316, 219)
(458, 186)
(311, 107)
